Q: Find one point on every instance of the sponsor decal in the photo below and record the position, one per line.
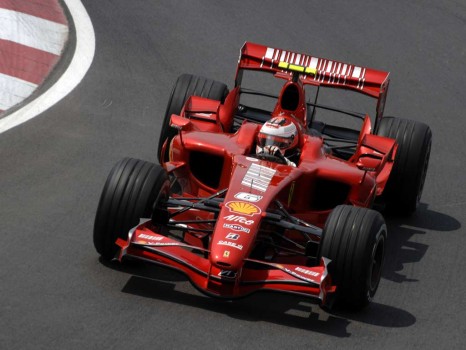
(150, 237)
(159, 244)
(227, 274)
(320, 68)
(237, 228)
(240, 219)
(233, 236)
(276, 122)
(231, 244)
(248, 197)
(252, 159)
(258, 177)
(302, 272)
(226, 254)
(244, 208)
(297, 275)
(307, 272)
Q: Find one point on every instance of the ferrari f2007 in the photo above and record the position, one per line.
(248, 198)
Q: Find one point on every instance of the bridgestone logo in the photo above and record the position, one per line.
(307, 272)
(150, 237)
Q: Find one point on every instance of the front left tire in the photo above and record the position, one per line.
(129, 194)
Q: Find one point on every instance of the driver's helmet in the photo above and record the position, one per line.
(277, 133)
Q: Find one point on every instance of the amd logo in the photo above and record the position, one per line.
(227, 274)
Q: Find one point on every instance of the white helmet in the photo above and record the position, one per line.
(279, 133)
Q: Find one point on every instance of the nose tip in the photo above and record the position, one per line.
(223, 264)
(226, 263)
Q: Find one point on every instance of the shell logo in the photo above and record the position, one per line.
(243, 208)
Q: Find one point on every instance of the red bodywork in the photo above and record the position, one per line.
(218, 248)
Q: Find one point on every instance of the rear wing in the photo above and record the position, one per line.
(315, 71)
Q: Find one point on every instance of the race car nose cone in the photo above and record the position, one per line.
(225, 258)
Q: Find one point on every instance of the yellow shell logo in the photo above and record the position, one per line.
(243, 208)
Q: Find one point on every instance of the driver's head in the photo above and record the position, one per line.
(279, 133)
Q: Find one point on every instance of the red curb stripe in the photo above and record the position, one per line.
(46, 9)
(25, 62)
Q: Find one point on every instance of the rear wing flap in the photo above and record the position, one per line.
(314, 70)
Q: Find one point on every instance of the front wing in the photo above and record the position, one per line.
(144, 244)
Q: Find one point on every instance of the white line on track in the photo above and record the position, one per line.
(80, 63)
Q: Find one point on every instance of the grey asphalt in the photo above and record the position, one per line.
(55, 293)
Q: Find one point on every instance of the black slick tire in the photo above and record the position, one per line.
(187, 85)
(403, 191)
(354, 239)
(129, 194)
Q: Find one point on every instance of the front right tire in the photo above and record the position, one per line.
(354, 239)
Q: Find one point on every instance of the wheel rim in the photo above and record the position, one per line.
(375, 269)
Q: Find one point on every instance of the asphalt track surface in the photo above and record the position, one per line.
(56, 293)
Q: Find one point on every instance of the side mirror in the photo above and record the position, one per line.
(369, 162)
(180, 123)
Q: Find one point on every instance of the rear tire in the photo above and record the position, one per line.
(129, 194)
(186, 86)
(354, 240)
(403, 191)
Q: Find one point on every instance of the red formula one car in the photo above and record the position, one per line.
(250, 198)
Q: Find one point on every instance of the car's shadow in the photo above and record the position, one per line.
(402, 249)
(283, 309)
(155, 282)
